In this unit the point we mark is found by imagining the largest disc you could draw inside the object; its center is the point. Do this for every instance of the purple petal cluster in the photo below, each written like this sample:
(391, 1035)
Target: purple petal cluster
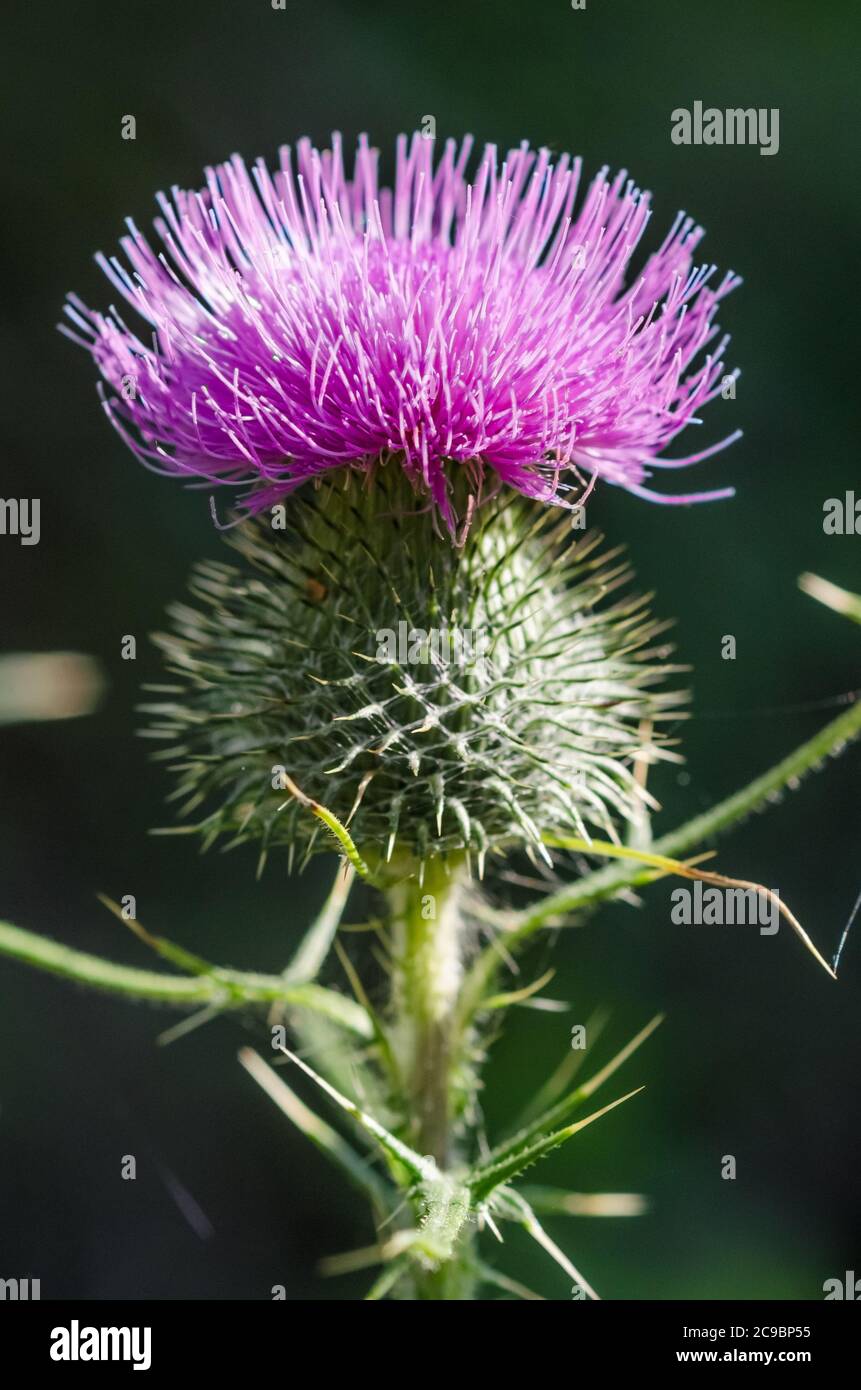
(485, 321)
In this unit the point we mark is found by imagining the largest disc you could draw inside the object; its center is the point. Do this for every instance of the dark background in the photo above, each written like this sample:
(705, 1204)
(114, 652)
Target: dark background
(759, 1056)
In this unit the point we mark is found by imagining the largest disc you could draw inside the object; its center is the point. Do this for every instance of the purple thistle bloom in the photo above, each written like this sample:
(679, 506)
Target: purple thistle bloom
(304, 321)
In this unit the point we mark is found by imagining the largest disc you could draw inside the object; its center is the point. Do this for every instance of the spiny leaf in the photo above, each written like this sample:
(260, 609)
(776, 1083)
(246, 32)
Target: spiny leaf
(484, 1179)
(559, 1112)
(418, 1167)
(442, 1203)
(557, 1083)
(515, 1208)
(533, 1227)
(332, 1144)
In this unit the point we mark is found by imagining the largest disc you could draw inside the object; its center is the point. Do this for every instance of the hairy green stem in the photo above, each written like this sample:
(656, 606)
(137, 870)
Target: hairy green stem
(427, 979)
(222, 988)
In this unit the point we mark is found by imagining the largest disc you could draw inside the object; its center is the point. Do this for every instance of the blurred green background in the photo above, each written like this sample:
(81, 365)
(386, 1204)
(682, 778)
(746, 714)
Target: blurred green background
(759, 1056)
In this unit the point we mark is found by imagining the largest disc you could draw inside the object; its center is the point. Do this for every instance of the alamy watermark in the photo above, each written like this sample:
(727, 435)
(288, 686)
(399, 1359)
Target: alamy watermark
(703, 906)
(440, 646)
(735, 126)
(20, 516)
(77, 1343)
(20, 1290)
(848, 1287)
(842, 515)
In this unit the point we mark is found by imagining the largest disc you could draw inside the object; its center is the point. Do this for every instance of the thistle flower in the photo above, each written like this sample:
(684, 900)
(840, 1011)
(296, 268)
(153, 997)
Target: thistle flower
(459, 342)
(439, 699)
(305, 321)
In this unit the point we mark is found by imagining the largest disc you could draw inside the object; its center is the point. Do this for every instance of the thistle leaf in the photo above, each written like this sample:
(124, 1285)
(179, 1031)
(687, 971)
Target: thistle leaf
(326, 1139)
(559, 1112)
(419, 1168)
(484, 1179)
(557, 1083)
(515, 1208)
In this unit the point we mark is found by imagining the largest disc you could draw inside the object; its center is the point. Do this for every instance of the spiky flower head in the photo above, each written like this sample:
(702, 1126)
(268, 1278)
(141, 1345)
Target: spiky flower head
(461, 325)
(437, 699)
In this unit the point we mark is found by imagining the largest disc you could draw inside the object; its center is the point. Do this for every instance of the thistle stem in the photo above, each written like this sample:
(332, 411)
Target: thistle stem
(222, 988)
(428, 973)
